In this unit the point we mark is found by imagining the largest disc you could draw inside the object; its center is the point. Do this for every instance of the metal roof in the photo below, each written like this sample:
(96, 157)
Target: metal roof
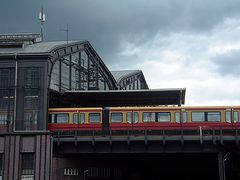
(119, 75)
(124, 97)
(40, 47)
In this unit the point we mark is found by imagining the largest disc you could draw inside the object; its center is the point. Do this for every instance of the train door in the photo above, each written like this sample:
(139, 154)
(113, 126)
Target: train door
(105, 119)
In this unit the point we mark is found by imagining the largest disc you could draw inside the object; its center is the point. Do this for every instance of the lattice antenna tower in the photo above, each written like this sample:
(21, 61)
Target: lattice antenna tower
(42, 19)
(67, 31)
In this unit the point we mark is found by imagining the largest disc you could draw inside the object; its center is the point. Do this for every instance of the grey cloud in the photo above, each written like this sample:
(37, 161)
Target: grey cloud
(228, 64)
(106, 23)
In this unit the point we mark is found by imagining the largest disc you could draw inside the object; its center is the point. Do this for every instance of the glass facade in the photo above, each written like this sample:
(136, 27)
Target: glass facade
(77, 71)
(31, 98)
(7, 94)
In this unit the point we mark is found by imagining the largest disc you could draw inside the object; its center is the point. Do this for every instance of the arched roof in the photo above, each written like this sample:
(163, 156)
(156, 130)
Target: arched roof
(125, 74)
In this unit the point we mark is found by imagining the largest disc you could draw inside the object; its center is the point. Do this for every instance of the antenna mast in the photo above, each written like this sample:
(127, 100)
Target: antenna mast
(67, 31)
(42, 19)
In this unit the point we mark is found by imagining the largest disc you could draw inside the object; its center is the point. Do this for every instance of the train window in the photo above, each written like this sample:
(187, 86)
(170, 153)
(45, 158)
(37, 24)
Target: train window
(3, 118)
(136, 117)
(184, 117)
(129, 117)
(235, 116)
(61, 118)
(82, 118)
(198, 116)
(164, 117)
(213, 116)
(94, 117)
(229, 118)
(148, 117)
(116, 117)
(75, 118)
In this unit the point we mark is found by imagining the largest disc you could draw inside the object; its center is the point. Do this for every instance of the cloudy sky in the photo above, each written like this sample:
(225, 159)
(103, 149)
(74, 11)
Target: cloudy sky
(192, 44)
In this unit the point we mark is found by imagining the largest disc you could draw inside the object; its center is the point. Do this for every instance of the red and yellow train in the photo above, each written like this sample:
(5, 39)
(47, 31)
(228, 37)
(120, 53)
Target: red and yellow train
(140, 118)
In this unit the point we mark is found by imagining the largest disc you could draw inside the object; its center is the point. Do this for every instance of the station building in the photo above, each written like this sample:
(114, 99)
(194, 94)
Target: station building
(33, 75)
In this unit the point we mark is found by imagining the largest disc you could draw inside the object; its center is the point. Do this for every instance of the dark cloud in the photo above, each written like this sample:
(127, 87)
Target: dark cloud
(228, 64)
(106, 23)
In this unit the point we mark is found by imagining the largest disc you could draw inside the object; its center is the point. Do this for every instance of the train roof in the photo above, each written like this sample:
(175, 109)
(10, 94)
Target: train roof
(114, 98)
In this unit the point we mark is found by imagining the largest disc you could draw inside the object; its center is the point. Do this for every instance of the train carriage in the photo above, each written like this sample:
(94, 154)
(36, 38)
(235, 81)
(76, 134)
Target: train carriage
(144, 118)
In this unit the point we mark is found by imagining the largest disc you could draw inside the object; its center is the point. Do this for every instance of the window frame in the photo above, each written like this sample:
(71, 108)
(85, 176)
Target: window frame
(94, 113)
(148, 116)
(159, 116)
(117, 113)
(197, 112)
(184, 117)
(56, 118)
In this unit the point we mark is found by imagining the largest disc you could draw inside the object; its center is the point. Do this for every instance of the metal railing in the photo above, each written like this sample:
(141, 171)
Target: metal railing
(201, 133)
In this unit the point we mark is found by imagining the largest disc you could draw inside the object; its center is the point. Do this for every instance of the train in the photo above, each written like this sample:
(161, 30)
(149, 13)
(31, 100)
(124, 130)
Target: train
(144, 118)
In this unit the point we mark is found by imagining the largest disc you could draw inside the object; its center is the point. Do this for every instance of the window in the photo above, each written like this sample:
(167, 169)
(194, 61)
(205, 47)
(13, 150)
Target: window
(27, 171)
(31, 99)
(129, 117)
(70, 172)
(94, 117)
(30, 120)
(213, 116)
(148, 117)
(32, 76)
(7, 77)
(105, 172)
(229, 116)
(75, 118)
(82, 118)
(93, 172)
(235, 116)
(198, 116)
(116, 117)
(132, 117)
(164, 117)
(184, 117)
(136, 117)
(62, 118)
(7, 87)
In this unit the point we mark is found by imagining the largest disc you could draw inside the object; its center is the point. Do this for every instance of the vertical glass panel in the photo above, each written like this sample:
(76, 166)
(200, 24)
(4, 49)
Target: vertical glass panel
(82, 118)
(129, 117)
(30, 120)
(27, 167)
(32, 77)
(198, 116)
(149, 117)
(184, 117)
(94, 117)
(4, 77)
(228, 116)
(31, 99)
(136, 117)
(235, 116)
(213, 116)
(65, 80)
(116, 117)
(75, 118)
(7, 88)
(164, 117)
(55, 76)
(31, 109)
